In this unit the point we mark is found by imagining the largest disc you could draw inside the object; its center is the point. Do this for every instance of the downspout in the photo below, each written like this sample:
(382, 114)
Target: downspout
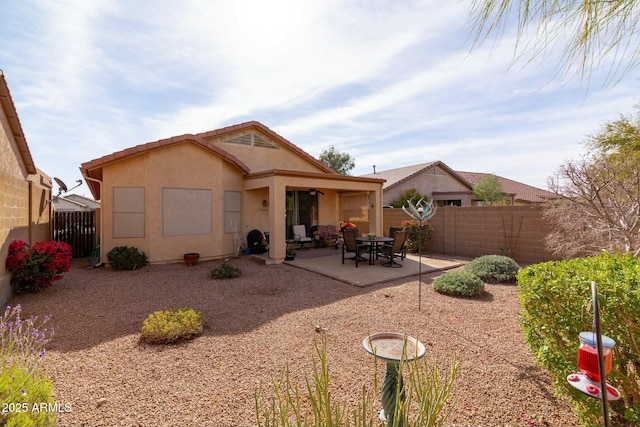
(88, 178)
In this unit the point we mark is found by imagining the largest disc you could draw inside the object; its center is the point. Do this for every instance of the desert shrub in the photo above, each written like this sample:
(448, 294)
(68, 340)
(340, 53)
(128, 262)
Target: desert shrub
(170, 326)
(459, 283)
(426, 390)
(22, 385)
(416, 238)
(22, 341)
(37, 266)
(555, 299)
(225, 271)
(126, 258)
(494, 268)
(22, 393)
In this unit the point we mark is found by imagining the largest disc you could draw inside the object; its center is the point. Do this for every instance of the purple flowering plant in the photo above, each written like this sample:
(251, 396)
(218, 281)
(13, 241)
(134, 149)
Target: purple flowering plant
(22, 341)
(37, 266)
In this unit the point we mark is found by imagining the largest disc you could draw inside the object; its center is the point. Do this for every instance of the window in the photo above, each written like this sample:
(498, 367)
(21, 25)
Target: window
(232, 211)
(128, 212)
(186, 212)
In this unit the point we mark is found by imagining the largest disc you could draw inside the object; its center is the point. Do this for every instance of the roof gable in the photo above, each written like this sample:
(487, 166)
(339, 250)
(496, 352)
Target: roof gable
(256, 134)
(399, 175)
(142, 148)
(93, 168)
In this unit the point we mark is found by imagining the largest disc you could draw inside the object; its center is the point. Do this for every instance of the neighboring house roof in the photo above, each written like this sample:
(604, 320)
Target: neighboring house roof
(75, 202)
(523, 192)
(14, 123)
(94, 167)
(397, 176)
(83, 200)
(64, 204)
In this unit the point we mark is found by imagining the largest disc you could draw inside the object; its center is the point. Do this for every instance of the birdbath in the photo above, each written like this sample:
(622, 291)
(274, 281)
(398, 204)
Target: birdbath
(393, 348)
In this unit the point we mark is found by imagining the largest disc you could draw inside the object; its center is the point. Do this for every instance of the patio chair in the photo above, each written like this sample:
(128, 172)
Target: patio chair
(300, 236)
(395, 248)
(351, 245)
(392, 232)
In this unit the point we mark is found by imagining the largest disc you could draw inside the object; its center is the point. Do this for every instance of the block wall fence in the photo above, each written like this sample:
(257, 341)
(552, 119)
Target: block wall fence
(514, 231)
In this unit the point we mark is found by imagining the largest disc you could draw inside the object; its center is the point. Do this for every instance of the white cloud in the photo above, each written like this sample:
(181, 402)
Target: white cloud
(392, 83)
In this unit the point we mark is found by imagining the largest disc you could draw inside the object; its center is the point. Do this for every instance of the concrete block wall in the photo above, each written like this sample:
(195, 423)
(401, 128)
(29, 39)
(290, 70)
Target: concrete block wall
(14, 222)
(514, 231)
(25, 214)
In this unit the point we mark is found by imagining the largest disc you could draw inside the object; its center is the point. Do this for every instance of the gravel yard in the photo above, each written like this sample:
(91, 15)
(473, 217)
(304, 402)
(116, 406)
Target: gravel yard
(261, 321)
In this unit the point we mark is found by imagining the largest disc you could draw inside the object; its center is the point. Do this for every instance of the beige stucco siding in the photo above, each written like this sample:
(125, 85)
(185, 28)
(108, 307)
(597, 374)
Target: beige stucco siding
(180, 166)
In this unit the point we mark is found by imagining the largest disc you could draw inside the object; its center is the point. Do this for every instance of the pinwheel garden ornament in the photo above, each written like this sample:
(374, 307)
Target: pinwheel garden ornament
(421, 211)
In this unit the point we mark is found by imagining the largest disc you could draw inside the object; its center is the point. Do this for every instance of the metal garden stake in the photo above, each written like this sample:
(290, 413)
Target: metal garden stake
(421, 212)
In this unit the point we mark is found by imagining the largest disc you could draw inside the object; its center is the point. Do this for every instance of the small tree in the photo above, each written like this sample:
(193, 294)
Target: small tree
(600, 195)
(342, 163)
(411, 194)
(490, 191)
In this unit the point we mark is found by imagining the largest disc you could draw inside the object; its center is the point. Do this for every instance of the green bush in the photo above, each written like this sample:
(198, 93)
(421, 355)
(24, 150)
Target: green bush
(170, 326)
(459, 283)
(556, 297)
(126, 258)
(416, 238)
(23, 395)
(225, 271)
(494, 268)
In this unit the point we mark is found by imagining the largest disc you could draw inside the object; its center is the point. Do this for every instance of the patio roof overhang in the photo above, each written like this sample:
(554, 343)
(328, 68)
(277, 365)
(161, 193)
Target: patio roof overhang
(340, 183)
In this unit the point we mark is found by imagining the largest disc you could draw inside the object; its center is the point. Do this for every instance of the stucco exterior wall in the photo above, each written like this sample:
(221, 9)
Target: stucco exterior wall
(187, 166)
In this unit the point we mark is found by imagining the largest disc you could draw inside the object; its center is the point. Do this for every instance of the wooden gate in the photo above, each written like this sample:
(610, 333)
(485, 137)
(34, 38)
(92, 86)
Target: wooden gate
(78, 229)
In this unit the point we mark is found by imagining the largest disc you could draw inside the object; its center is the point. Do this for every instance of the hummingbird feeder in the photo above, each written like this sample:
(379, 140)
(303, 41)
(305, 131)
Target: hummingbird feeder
(595, 358)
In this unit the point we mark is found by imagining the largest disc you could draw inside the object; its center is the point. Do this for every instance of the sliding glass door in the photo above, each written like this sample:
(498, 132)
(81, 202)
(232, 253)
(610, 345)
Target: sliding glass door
(302, 208)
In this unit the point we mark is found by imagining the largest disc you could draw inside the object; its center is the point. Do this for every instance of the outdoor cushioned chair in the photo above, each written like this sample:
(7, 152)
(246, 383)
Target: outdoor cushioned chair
(351, 245)
(392, 232)
(300, 236)
(395, 248)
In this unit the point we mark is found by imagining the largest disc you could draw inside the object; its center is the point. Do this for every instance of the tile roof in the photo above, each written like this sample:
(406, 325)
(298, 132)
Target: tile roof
(523, 192)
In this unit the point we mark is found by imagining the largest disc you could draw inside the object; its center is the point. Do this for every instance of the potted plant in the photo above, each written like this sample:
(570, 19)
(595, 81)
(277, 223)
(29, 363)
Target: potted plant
(191, 258)
(291, 254)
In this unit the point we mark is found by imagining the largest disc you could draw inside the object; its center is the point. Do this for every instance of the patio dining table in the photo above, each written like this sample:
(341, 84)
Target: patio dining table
(373, 245)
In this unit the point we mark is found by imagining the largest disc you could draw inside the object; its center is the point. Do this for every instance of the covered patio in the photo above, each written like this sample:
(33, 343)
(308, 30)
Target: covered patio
(327, 262)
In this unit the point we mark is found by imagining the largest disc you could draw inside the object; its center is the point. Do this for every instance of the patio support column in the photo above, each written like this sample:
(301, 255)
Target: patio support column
(375, 213)
(277, 221)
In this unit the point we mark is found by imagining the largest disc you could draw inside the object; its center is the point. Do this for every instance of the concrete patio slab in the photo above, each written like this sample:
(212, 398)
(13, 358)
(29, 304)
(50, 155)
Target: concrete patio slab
(367, 275)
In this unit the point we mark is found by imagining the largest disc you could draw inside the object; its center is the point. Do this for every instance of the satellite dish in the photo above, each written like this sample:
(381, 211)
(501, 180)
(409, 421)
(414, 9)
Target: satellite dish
(62, 185)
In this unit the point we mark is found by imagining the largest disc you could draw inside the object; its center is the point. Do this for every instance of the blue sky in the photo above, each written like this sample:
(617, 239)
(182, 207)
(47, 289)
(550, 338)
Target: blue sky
(391, 83)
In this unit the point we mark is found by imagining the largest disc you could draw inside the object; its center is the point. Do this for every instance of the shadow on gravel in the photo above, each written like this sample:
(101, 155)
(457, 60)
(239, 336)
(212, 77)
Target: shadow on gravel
(93, 306)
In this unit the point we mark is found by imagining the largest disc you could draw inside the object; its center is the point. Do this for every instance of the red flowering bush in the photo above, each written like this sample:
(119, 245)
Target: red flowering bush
(37, 266)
